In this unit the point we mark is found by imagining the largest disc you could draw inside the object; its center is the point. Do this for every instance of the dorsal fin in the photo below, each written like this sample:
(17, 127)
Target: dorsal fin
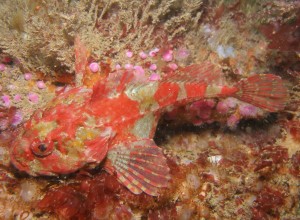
(196, 73)
(126, 77)
(118, 81)
(115, 83)
(81, 55)
(99, 91)
(186, 84)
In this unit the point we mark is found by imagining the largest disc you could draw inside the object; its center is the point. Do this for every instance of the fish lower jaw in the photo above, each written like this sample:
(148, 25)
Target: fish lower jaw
(20, 167)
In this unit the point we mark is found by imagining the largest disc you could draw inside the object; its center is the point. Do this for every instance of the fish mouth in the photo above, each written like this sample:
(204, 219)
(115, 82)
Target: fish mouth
(20, 166)
(26, 168)
(19, 158)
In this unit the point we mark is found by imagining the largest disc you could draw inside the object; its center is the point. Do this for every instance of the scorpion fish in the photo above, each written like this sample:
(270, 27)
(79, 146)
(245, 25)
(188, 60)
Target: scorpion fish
(114, 124)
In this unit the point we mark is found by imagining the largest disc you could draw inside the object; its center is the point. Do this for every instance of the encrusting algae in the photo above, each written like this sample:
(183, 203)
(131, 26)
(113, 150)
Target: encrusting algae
(149, 109)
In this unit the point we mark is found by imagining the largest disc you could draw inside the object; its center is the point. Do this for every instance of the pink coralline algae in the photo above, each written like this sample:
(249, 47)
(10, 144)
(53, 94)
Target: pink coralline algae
(233, 120)
(94, 67)
(2, 67)
(222, 107)
(202, 110)
(231, 102)
(150, 70)
(245, 110)
(6, 100)
(139, 73)
(229, 111)
(129, 53)
(153, 67)
(118, 67)
(27, 76)
(181, 53)
(173, 66)
(17, 98)
(128, 66)
(17, 118)
(168, 56)
(238, 110)
(153, 52)
(143, 55)
(139, 70)
(10, 118)
(33, 97)
(154, 77)
(248, 110)
(41, 85)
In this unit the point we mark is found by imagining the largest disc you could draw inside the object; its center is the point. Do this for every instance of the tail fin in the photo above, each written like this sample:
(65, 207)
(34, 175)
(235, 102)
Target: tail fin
(265, 91)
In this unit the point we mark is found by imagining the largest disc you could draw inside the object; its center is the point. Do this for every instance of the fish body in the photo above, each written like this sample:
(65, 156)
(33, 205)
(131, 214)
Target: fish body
(116, 120)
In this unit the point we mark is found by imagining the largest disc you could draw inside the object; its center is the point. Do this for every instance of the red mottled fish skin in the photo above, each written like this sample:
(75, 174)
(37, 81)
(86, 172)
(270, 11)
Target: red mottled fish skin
(117, 120)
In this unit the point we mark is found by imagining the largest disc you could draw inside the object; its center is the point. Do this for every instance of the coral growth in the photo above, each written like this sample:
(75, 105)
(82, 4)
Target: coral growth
(40, 34)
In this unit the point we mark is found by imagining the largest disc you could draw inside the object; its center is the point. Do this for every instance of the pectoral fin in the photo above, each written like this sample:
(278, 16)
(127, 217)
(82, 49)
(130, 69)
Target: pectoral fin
(139, 165)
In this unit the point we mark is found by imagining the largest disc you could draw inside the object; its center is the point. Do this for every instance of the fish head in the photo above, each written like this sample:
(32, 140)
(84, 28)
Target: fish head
(59, 140)
(34, 155)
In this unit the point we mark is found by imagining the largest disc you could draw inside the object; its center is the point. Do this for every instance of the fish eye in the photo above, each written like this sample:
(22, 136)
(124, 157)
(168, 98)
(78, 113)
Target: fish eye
(42, 149)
